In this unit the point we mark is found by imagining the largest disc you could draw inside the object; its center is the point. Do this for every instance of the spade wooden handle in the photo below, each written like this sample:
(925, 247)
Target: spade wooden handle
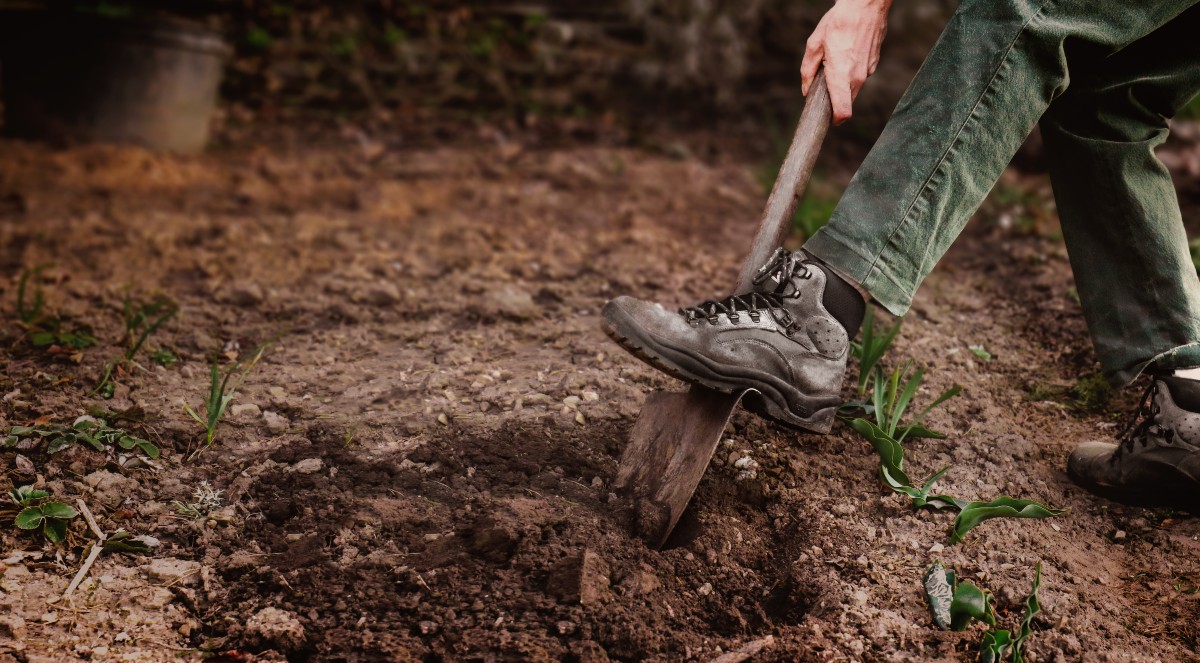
(792, 181)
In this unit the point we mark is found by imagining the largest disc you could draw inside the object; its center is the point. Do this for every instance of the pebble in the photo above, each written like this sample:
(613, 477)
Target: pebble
(244, 294)
(174, 571)
(241, 410)
(705, 589)
(276, 423)
(274, 627)
(383, 293)
(307, 466)
(1119, 535)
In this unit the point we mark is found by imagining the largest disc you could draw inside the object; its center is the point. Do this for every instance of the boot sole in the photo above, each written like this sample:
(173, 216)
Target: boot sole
(764, 397)
(1183, 498)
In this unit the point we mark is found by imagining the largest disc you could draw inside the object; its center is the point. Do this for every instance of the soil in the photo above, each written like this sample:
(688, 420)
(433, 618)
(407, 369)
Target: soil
(420, 468)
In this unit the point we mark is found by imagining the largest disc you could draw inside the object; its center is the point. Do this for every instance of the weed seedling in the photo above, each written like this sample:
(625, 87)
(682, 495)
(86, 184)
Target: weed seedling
(37, 510)
(205, 500)
(141, 321)
(45, 330)
(221, 391)
(954, 604)
(872, 348)
(1001, 645)
(95, 433)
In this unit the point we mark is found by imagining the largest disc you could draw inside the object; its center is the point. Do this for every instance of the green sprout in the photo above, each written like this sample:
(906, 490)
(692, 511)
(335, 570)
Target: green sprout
(980, 352)
(891, 395)
(38, 511)
(872, 348)
(141, 321)
(954, 604)
(222, 388)
(45, 330)
(86, 430)
(1001, 645)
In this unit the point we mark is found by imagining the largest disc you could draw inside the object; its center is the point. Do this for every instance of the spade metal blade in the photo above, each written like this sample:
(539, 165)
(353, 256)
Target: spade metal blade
(676, 433)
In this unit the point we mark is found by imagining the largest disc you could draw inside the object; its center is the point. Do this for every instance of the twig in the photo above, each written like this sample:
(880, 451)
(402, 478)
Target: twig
(91, 520)
(97, 548)
(746, 651)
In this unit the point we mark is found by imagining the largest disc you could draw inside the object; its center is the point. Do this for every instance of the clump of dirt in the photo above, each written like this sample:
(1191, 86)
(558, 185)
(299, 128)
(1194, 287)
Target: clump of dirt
(421, 466)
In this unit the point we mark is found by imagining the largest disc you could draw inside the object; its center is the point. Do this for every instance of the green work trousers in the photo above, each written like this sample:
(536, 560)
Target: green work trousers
(1101, 77)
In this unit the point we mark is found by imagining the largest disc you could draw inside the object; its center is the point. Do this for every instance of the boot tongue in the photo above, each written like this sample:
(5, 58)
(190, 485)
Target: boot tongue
(1185, 393)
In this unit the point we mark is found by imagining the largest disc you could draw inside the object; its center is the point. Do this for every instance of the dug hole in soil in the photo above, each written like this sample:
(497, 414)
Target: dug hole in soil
(420, 468)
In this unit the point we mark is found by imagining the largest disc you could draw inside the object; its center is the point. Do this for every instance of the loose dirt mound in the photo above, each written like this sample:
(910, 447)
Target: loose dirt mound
(420, 468)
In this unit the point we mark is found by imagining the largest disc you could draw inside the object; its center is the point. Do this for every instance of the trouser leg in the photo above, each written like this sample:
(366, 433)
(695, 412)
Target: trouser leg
(993, 73)
(1119, 211)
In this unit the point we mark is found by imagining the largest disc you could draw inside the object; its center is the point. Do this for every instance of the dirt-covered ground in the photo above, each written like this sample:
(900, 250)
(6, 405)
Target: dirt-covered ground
(420, 467)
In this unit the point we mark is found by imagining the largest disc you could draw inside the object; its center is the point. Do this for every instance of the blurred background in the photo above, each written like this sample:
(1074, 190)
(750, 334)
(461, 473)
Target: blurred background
(422, 72)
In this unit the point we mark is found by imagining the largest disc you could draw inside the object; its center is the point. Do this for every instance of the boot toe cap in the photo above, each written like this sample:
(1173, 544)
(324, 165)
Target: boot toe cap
(1087, 458)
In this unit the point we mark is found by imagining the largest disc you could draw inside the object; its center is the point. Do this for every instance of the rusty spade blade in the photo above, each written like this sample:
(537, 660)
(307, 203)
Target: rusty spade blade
(676, 433)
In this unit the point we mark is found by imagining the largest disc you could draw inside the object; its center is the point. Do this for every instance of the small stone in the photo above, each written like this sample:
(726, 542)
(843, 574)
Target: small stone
(49, 617)
(936, 548)
(12, 626)
(581, 578)
(307, 466)
(245, 410)
(243, 294)
(509, 301)
(571, 401)
(173, 571)
(443, 419)
(121, 637)
(272, 627)
(276, 423)
(1119, 535)
(591, 396)
(705, 589)
(641, 582)
(579, 419)
(383, 293)
(100, 651)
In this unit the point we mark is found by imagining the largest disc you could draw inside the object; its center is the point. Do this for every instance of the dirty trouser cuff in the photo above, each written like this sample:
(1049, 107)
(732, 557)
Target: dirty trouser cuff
(841, 255)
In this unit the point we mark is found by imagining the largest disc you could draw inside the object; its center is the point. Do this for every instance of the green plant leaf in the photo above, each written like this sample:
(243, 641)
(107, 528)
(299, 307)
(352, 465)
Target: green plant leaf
(58, 510)
(939, 593)
(971, 603)
(1032, 608)
(980, 352)
(891, 454)
(54, 529)
(123, 542)
(1004, 507)
(996, 646)
(27, 495)
(29, 517)
(915, 431)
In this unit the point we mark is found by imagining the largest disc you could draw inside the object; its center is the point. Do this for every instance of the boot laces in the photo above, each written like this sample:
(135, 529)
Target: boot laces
(1144, 424)
(782, 266)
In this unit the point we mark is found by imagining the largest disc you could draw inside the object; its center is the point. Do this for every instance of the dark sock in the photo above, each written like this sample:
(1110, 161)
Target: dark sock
(1184, 391)
(842, 300)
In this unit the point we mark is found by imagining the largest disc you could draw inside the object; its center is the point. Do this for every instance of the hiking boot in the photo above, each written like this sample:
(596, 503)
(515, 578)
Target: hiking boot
(1156, 461)
(778, 341)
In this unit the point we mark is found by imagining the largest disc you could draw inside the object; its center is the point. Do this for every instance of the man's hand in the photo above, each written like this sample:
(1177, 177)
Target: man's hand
(847, 40)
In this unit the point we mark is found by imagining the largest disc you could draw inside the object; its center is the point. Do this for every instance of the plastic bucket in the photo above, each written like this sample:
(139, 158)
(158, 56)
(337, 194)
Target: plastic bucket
(73, 77)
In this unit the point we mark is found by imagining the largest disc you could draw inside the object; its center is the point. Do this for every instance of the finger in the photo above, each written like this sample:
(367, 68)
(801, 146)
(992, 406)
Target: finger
(840, 95)
(813, 55)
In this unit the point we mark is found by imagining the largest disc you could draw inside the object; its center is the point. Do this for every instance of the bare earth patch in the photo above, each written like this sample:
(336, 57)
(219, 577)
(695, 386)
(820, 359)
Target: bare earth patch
(420, 467)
